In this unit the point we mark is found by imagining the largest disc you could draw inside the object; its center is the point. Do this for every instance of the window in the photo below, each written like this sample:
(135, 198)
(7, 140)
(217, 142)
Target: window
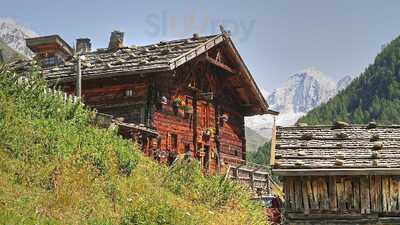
(49, 61)
(128, 93)
(188, 153)
(131, 114)
(174, 141)
(187, 147)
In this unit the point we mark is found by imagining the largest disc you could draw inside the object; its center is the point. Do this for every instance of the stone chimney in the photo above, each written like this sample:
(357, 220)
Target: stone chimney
(83, 45)
(116, 40)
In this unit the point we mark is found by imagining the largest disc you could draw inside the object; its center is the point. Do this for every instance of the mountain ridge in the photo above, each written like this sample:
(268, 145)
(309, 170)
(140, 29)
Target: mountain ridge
(13, 34)
(300, 93)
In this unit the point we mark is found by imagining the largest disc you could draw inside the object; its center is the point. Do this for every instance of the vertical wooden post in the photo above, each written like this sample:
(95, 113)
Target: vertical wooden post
(273, 142)
(217, 133)
(195, 124)
(251, 174)
(78, 88)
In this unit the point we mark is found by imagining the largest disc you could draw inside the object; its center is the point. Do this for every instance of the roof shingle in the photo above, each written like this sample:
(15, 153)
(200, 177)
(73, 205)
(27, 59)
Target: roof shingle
(356, 145)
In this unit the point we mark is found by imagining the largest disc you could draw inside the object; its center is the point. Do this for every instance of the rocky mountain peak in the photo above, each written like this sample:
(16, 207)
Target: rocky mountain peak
(13, 35)
(300, 93)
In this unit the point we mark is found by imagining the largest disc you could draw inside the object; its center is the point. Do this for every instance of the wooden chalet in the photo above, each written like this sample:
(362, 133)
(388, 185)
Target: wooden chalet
(183, 97)
(339, 174)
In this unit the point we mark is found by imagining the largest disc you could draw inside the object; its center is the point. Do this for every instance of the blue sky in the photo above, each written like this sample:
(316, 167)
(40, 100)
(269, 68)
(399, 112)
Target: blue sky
(275, 38)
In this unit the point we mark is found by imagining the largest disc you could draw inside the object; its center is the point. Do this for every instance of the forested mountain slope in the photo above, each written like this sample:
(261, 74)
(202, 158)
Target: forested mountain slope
(373, 96)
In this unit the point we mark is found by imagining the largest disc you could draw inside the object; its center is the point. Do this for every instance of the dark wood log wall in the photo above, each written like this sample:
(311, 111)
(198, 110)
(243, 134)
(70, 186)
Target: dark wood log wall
(338, 197)
(189, 131)
(167, 124)
(233, 144)
(109, 95)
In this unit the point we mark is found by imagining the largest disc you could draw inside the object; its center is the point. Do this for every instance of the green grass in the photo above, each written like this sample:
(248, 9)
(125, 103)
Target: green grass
(57, 167)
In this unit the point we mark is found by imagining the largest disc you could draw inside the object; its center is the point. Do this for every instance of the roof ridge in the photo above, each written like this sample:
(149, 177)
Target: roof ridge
(332, 126)
(152, 44)
(213, 39)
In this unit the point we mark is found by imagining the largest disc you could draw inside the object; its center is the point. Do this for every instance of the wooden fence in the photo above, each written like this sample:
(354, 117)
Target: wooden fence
(256, 177)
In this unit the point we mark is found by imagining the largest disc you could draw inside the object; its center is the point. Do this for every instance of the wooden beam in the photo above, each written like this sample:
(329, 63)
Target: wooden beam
(273, 143)
(336, 172)
(220, 65)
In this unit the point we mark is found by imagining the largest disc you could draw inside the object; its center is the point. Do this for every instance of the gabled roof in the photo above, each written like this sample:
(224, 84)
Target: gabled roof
(160, 57)
(324, 150)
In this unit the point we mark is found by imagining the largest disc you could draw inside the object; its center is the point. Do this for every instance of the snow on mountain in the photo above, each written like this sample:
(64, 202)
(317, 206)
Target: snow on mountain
(302, 92)
(343, 83)
(13, 34)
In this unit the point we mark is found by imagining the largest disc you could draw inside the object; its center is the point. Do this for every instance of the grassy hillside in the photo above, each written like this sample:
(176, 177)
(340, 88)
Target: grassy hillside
(373, 96)
(8, 54)
(56, 167)
(253, 140)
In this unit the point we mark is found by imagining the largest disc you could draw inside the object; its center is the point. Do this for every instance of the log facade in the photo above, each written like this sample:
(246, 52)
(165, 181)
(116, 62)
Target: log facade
(342, 199)
(194, 93)
(339, 174)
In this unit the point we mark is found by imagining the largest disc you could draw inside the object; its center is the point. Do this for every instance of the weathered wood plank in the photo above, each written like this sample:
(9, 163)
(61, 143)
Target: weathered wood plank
(348, 193)
(340, 194)
(291, 193)
(365, 198)
(373, 194)
(385, 194)
(332, 193)
(324, 193)
(356, 193)
(315, 192)
(398, 194)
(394, 191)
(285, 187)
(313, 203)
(298, 195)
(378, 183)
(306, 200)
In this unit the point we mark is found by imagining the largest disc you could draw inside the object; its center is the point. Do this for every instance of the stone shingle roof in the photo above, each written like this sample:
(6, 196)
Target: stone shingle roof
(162, 56)
(329, 147)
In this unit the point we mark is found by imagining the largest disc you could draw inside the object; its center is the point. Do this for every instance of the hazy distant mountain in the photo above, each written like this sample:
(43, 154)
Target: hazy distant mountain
(8, 54)
(13, 35)
(302, 92)
(253, 140)
(343, 83)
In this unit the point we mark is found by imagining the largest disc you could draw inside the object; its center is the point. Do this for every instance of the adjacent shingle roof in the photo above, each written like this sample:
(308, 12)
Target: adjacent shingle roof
(324, 147)
(163, 56)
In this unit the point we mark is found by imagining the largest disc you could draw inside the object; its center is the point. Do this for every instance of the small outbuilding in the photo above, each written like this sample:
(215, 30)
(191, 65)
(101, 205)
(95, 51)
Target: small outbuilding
(340, 174)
